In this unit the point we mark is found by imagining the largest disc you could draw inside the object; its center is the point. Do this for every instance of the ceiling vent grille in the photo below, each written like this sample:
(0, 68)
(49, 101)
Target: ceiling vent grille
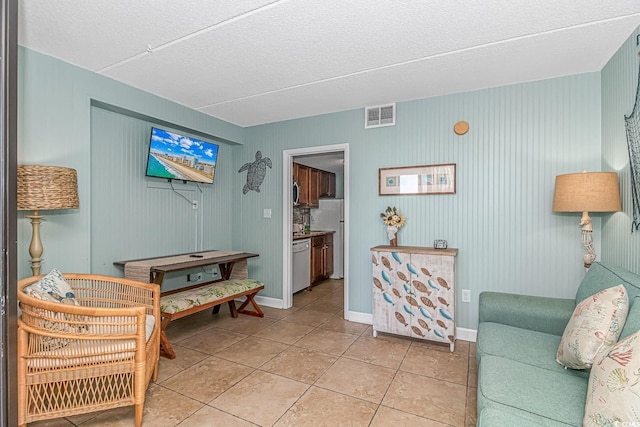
(379, 116)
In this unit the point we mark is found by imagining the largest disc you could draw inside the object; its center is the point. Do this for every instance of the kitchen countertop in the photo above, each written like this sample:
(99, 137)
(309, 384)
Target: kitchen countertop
(313, 233)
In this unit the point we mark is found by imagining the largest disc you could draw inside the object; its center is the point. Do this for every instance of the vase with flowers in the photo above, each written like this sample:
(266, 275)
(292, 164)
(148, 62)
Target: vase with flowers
(394, 221)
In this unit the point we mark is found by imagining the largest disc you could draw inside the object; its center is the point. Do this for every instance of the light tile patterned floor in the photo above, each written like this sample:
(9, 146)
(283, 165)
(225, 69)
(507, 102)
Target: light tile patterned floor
(305, 366)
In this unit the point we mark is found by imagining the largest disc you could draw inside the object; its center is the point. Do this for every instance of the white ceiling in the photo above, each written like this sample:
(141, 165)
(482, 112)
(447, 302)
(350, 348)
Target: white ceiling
(257, 61)
(331, 162)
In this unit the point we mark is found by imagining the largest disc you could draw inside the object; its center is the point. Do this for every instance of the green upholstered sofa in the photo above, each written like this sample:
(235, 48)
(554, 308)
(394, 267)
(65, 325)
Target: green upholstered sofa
(519, 381)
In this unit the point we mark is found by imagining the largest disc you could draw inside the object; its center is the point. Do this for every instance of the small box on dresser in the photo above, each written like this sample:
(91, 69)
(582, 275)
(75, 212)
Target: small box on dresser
(414, 292)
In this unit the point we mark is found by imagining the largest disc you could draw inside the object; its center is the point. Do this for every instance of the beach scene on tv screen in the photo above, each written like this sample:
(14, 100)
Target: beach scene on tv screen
(180, 157)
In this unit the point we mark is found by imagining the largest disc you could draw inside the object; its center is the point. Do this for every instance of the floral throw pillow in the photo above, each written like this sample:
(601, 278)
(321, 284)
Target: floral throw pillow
(52, 287)
(613, 397)
(596, 323)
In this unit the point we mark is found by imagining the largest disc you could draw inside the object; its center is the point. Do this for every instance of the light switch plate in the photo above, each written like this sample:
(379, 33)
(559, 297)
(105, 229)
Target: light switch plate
(266, 213)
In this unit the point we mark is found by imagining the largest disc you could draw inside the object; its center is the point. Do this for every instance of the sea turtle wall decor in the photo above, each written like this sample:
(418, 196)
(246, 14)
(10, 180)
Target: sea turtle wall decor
(257, 171)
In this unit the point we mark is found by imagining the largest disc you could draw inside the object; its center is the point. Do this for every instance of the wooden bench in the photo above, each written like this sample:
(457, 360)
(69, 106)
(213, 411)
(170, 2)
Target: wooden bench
(185, 301)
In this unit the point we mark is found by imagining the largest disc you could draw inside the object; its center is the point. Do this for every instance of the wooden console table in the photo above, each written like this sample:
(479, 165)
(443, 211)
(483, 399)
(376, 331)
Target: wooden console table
(153, 270)
(181, 262)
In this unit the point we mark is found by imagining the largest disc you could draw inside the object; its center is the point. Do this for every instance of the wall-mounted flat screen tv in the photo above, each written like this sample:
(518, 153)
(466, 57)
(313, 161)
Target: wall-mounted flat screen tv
(179, 157)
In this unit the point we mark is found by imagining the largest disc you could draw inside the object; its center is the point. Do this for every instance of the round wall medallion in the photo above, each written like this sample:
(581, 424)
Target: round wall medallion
(461, 128)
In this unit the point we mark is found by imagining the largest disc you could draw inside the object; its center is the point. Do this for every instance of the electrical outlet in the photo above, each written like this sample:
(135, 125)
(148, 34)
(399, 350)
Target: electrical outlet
(194, 277)
(466, 295)
(194, 204)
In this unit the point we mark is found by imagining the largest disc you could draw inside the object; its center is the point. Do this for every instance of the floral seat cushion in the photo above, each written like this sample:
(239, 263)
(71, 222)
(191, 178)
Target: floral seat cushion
(181, 301)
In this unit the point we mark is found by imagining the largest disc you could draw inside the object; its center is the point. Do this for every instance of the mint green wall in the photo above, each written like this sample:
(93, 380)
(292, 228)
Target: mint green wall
(619, 84)
(55, 128)
(521, 137)
(133, 216)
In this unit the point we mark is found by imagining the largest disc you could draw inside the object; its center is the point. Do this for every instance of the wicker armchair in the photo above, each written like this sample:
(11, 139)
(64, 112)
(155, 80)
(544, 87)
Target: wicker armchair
(90, 357)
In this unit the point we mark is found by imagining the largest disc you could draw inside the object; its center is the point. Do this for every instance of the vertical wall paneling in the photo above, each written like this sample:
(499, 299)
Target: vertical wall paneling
(133, 216)
(521, 137)
(619, 85)
(55, 127)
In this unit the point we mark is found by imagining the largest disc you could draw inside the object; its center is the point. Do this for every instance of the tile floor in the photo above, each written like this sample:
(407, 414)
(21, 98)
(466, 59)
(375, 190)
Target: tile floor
(298, 367)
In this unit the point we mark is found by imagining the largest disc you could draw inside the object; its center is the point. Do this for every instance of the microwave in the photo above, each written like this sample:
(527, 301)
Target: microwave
(296, 194)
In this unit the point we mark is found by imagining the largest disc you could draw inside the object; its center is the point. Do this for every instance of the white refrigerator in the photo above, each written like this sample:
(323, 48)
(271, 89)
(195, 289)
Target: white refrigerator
(329, 216)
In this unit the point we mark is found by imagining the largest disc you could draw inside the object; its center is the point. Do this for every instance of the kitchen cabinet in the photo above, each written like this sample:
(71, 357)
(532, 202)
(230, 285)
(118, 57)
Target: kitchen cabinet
(313, 183)
(314, 194)
(301, 174)
(414, 292)
(327, 184)
(321, 257)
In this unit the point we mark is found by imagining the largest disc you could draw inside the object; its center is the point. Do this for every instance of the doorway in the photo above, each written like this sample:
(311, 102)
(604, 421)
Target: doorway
(312, 156)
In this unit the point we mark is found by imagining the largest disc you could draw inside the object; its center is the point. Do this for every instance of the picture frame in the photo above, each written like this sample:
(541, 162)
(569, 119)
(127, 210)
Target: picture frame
(414, 180)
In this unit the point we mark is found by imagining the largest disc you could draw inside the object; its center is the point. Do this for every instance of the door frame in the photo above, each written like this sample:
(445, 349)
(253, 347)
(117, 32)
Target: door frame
(9, 212)
(287, 217)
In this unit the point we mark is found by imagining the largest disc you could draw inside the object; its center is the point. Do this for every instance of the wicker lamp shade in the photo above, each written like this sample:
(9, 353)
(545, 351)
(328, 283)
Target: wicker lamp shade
(47, 187)
(587, 192)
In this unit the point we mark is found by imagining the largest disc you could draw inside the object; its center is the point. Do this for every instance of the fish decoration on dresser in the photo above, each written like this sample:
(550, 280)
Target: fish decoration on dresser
(443, 283)
(412, 269)
(420, 290)
(386, 277)
(411, 300)
(421, 287)
(446, 314)
(424, 325)
(425, 313)
(408, 310)
(388, 298)
(402, 277)
(408, 290)
(400, 318)
(432, 284)
(426, 301)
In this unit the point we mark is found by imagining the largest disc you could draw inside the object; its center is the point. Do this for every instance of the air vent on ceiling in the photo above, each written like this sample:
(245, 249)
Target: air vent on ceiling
(379, 116)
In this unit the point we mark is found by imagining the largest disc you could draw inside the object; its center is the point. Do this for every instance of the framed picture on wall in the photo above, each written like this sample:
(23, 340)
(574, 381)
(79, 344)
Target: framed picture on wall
(411, 180)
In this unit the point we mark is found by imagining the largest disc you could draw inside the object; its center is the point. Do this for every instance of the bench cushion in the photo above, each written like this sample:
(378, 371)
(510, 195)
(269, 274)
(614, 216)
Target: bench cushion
(180, 301)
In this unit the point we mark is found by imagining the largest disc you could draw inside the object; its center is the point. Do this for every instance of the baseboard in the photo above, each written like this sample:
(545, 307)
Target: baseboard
(267, 301)
(463, 334)
(356, 316)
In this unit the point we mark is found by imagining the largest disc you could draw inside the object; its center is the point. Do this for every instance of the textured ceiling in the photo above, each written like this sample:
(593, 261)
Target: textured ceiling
(251, 62)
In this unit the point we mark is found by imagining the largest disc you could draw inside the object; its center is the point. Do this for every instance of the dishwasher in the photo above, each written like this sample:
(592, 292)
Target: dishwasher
(301, 264)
